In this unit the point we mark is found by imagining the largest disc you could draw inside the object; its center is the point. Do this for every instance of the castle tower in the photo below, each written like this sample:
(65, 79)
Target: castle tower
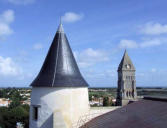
(126, 90)
(59, 93)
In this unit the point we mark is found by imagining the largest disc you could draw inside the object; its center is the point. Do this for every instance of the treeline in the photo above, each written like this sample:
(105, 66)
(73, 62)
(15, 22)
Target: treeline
(9, 117)
(12, 93)
(15, 112)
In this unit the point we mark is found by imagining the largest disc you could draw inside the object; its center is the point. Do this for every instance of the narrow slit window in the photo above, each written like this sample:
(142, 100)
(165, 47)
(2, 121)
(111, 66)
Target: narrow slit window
(35, 113)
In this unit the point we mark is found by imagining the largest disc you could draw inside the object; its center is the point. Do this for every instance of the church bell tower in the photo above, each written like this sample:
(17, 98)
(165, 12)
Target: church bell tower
(126, 90)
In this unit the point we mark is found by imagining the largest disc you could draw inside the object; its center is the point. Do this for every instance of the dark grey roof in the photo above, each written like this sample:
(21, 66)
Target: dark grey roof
(146, 113)
(156, 98)
(60, 68)
(126, 61)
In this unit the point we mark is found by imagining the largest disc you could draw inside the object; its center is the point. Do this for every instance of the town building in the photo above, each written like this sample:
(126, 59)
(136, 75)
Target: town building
(4, 102)
(126, 90)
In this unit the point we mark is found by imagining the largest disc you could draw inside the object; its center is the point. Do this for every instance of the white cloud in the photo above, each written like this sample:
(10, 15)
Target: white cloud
(151, 43)
(37, 46)
(153, 28)
(149, 28)
(153, 70)
(6, 18)
(8, 67)
(128, 44)
(89, 57)
(131, 44)
(21, 2)
(5, 30)
(72, 17)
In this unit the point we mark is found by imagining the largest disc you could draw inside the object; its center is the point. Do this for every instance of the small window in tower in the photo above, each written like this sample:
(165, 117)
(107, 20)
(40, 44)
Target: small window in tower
(127, 94)
(35, 112)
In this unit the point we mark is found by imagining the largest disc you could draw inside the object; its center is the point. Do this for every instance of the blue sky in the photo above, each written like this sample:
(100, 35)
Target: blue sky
(98, 32)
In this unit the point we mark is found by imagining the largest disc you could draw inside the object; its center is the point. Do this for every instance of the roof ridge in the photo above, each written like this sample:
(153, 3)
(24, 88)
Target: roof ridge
(56, 61)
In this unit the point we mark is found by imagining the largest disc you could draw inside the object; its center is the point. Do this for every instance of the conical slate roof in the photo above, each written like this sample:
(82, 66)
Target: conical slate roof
(60, 68)
(126, 63)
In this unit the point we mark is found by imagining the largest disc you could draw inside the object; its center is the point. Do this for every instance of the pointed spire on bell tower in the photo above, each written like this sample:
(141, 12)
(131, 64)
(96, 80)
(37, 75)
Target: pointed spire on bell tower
(125, 50)
(126, 62)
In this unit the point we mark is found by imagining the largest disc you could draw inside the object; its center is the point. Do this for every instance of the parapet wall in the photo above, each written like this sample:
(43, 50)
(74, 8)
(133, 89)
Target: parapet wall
(93, 112)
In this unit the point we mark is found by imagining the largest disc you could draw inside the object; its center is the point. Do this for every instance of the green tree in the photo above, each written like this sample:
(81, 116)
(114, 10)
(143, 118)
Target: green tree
(10, 116)
(107, 101)
(3, 111)
(90, 97)
(14, 103)
(15, 112)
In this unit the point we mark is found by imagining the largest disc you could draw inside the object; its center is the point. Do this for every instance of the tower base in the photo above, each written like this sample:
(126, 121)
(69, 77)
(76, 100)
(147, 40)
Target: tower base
(57, 107)
(124, 102)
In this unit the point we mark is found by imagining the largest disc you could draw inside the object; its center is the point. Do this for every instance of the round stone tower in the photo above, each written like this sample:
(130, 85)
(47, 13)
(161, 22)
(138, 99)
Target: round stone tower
(59, 93)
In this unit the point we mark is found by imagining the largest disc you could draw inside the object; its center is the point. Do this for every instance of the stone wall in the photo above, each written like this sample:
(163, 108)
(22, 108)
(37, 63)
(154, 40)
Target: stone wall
(93, 112)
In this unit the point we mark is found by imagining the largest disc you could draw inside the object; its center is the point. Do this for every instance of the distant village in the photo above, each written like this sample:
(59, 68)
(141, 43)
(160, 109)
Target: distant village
(6, 95)
(98, 97)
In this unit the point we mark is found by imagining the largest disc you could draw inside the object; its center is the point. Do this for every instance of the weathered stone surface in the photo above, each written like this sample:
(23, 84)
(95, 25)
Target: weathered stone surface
(69, 103)
(126, 91)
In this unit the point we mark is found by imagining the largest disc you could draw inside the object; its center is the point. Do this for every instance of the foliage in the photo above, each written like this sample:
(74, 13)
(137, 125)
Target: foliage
(94, 105)
(98, 94)
(90, 97)
(14, 103)
(15, 112)
(10, 116)
(106, 101)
